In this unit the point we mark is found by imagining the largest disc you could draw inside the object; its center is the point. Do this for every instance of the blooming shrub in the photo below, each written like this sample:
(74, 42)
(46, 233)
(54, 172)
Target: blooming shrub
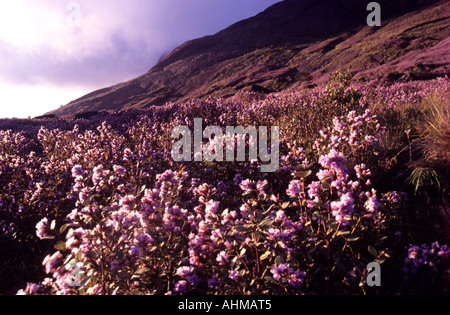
(116, 215)
(423, 267)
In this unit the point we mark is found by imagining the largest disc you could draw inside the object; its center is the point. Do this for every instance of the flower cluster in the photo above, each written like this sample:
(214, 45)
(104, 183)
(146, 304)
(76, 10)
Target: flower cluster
(112, 213)
(423, 256)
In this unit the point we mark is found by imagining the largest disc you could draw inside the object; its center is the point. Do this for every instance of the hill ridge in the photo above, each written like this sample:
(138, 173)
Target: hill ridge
(286, 47)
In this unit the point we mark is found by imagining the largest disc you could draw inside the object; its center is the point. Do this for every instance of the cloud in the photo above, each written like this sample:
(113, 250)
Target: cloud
(41, 47)
(23, 101)
(115, 40)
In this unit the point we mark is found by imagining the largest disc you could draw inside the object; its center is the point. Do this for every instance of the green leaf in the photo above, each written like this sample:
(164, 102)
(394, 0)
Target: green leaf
(241, 228)
(268, 209)
(60, 246)
(380, 260)
(64, 228)
(85, 281)
(48, 237)
(266, 222)
(352, 238)
(279, 260)
(270, 279)
(285, 205)
(372, 250)
(325, 185)
(122, 275)
(141, 190)
(303, 174)
(140, 272)
(68, 259)
(265, 255)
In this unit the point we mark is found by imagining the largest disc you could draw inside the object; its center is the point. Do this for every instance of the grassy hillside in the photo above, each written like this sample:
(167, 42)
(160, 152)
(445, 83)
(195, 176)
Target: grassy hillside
(290, 45)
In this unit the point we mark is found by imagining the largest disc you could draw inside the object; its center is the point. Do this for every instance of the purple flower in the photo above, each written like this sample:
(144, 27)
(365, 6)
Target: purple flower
(370, 140)
(212, 206)
(74, 237)
(127, 201)
(273, 233)
(247, 186)
(423, 255)
(195, 182)
(261, 186)
(119, 170)
(41, 228)
(342, 208)
(128, 154)
(143, 239)
(114, 265)
(180, 286)
(245, 208)
(275, 274)
(333, 159)
(294, 188)
(234, 275)
(99, 176)
(166, 176)
(216, 235)
(185, 271)
(371, 204)
(444, 251)
(237, 179)
(314, 190)
(50, 262)
(280, 270)
(324, 174)
(31, 289)
(296, 278)
(77, 171)
(281, 216)
(213, 281)
(134, 251)
(362, 171)
(222, 258)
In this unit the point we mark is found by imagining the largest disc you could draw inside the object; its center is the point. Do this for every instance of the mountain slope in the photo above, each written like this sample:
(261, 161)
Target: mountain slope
(292, 43)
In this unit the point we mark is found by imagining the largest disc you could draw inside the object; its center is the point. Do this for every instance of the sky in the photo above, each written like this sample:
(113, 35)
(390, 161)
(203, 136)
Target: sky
(55, 51)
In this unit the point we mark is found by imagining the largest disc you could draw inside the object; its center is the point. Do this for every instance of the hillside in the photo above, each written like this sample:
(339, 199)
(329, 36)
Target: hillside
(291, 44)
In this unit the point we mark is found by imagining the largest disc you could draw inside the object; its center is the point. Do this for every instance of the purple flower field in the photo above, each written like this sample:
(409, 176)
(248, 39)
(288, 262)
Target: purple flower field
(98, 206)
